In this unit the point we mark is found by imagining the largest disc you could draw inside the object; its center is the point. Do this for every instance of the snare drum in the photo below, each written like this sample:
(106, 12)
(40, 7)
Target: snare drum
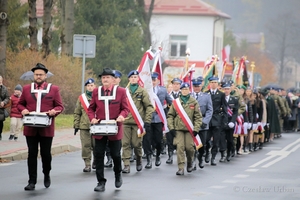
(104, 128)
(37, 120)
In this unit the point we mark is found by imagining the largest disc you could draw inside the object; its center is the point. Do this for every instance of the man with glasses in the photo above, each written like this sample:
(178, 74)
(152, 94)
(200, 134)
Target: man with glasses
(44, 97)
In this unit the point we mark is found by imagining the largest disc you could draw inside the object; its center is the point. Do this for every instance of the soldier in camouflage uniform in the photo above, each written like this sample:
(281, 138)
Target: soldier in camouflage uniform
(183, 138)
(145, 108)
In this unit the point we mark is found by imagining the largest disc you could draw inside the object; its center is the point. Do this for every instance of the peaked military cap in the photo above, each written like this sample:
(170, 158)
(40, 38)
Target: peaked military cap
(133, 72)
(89, 81)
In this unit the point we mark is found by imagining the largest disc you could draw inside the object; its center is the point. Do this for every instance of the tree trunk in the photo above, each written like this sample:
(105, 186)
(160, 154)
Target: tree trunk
(3, 28)
(47, 20)
(32, 25)
(147, 17)
(62, 31)
(69, 26)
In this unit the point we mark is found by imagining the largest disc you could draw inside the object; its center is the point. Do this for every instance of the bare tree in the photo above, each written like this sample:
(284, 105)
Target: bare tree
(147, 17)
(47, 21)
(283, 40)
(32, 25)
(67, 20)
(3, 30)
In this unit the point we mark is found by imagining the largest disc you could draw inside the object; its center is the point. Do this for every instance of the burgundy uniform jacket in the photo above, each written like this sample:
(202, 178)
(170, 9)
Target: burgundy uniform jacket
(117, 107)
(51, 100)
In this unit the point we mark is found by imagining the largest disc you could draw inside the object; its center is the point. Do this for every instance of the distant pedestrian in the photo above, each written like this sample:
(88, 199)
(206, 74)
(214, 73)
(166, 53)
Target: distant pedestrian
(4, 100)
(16, 122)
(40, 97)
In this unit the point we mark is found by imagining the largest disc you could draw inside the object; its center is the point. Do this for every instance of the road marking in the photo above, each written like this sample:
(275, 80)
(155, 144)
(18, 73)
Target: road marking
(6, 164)
(283, 153)
(251, 170)
(218, 186)
(230, 181)
(241, 176)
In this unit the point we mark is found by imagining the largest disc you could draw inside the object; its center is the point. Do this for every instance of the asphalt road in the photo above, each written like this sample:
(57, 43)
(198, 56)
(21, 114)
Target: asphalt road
(271, 173)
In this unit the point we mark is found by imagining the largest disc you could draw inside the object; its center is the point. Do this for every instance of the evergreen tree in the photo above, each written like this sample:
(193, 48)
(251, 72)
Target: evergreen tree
(117, 25)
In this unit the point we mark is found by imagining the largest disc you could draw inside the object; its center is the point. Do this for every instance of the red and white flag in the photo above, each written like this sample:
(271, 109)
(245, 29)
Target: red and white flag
(145, 81)
(157, 66)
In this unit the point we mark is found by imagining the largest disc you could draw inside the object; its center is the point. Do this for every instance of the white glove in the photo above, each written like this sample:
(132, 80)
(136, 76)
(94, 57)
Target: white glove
(231, 124)
(249, 125)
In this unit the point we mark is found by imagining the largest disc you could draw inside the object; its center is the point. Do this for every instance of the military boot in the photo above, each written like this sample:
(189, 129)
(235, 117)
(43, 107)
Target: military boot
(250, 146)
(222, 156)
(261, 145)
(149, 162)
(139, 165)
(213, 160)
(207, 156)
(228, 156)
(255, 146)
(170, 159)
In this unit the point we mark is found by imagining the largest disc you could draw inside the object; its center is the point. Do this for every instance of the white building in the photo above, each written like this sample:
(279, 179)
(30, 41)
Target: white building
(182, 24)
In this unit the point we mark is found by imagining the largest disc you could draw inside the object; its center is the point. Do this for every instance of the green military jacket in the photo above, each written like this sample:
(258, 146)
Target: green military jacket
(81, 119)
(143, 104)
(192, 109)
(242, 105)
(286, 105)
(279, 105)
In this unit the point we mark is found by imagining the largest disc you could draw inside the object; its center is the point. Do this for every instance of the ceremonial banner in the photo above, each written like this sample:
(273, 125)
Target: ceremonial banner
(187, 121)
(135, 114)
(84, 102)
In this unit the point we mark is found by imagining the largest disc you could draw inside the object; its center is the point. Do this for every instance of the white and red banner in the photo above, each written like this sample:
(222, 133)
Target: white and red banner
(187, 121)
(145, 81)
(135, 114)
(157, 66)
(84, 102)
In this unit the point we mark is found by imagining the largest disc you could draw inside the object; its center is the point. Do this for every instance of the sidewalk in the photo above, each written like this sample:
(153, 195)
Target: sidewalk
(63, 141)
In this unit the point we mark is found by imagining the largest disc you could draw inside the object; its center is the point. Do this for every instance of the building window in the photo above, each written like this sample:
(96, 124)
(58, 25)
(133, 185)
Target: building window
(289, 70)
(178, 45)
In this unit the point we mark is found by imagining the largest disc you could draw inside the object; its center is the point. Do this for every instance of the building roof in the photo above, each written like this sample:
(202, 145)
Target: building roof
(184, 7)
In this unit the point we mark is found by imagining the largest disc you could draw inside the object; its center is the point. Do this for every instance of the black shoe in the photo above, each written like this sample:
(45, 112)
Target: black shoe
(149, 162)
(87, 169)
(100, 187)
(47, 181)
(157, 161)
(222, 156)
(94, 165)
(201, 163)
(118, 181)
(180, 172)
(30, 186)
(109, 162)
(213, 162)
(207, 157)
(170, 159)
(189, 167)
(15, 138)
(11, 137)
(139, 165)
(126, 169)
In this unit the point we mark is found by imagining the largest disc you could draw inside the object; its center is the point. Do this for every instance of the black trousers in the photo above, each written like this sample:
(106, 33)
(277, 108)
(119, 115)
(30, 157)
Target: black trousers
(226, 141)
(154, 138)
(170, 139)
(46, 157)
(1, 127)
(107, 149)
(204, 140)
(214, 132)
(115, 151)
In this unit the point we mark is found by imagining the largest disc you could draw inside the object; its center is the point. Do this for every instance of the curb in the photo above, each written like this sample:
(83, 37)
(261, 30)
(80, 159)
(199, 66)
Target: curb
(23, 154)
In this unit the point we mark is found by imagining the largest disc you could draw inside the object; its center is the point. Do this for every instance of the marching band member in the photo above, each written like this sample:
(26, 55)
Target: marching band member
(141, 110)
(216, 122)
(176, 83)
(206, 108)
(108, 101)
(184, 121)
(252, 103)
(40, 96)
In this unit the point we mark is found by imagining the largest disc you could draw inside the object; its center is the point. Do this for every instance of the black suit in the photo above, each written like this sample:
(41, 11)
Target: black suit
(226, 141)
(217, 121)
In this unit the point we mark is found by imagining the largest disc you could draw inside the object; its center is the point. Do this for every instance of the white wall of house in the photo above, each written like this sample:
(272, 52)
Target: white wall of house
(198, 29)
